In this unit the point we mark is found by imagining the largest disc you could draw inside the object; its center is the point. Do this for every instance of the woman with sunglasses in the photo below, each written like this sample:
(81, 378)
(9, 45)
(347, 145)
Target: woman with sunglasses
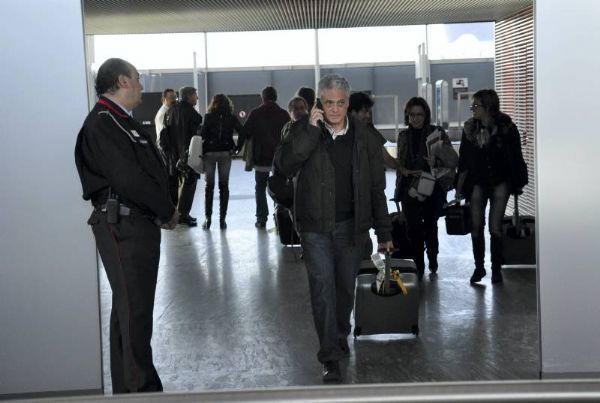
(423, 147)
(492, 164)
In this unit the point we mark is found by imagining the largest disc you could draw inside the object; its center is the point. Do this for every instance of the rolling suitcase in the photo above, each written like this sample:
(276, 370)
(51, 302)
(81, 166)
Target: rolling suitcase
(285, 226)
(458, 216)
(392, 312)
(402, 245)
(518, 238)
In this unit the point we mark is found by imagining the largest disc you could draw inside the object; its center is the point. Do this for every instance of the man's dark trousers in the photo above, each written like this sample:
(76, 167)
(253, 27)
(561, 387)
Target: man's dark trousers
(332, 260)
(260, 194)
(187, 192)
(130, 252)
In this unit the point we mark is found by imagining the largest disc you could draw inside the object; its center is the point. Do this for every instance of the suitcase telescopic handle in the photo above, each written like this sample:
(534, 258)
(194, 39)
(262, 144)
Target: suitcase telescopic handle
(516, 221)
(388, 266)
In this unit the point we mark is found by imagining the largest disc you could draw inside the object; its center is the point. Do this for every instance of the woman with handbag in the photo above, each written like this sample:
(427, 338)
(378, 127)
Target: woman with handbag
(426, 167)
(492, 162)
(218, 148)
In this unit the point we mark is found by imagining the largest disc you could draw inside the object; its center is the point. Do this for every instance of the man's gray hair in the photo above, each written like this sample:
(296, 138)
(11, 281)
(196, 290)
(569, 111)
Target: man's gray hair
(186, 92)
(333, 81)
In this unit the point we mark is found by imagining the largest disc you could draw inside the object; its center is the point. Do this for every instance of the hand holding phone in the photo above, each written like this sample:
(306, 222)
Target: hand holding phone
(316, 114)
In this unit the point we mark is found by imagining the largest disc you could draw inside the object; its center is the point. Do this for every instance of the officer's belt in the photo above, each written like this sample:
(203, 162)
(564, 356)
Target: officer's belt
(123, 209)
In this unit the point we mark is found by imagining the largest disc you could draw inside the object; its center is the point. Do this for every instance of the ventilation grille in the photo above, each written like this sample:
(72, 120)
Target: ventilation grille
(515, 87)
(165, 16)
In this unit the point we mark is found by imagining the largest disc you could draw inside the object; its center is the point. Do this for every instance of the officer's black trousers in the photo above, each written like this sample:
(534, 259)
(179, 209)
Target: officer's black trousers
(130, 251)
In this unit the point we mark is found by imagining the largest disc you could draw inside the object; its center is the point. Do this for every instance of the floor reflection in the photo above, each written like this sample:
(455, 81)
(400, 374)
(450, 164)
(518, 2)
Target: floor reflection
(233, 311)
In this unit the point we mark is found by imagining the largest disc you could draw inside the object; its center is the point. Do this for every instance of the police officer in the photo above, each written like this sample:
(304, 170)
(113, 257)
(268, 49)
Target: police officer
(124, 176)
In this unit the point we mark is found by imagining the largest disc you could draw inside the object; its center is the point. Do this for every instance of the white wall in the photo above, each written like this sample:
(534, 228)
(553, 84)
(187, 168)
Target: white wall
(49, 315)
(568, 150)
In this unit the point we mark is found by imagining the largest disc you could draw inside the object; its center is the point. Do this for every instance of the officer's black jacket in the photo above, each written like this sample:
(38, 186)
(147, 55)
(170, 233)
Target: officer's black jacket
(113, 150)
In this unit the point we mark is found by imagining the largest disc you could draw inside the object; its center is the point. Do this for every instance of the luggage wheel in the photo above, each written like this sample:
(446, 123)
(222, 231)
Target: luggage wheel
(415, 330)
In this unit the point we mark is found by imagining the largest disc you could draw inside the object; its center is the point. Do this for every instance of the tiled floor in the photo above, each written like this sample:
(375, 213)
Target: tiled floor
(232, 311)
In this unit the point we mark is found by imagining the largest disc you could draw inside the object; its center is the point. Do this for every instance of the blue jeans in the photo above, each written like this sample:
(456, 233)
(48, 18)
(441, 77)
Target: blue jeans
(498, 196)
(332, 260)
(260, 194)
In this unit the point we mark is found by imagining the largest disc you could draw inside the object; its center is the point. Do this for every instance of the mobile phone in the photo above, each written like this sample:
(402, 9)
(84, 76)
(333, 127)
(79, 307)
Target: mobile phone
(318, 104)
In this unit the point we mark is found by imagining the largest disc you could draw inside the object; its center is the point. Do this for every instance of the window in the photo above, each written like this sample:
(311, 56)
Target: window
(370, 44)
(151, 51)
(460, 41)
(261, 48)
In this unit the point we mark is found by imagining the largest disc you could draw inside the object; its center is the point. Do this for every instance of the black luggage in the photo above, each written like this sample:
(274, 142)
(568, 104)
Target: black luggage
(402, 245)
(392, 312)
(285, 226)
(518, 238)
(458, 218)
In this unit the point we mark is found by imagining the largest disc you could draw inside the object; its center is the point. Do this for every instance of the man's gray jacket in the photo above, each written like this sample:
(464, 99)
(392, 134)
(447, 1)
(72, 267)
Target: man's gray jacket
(304, 148)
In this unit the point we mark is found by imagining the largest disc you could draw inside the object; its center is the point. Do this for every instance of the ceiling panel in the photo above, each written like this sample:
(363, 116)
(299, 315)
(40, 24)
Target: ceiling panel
(162, 16)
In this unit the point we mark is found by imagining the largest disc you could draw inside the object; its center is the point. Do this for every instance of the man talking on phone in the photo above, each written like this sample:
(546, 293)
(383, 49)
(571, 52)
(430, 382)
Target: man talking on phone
(339, 197)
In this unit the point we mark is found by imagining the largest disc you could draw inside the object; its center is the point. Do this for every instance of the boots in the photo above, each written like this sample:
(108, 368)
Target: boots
(497, 275)
(208, 206)
(478, 274)
(433, 264)
(223, 203)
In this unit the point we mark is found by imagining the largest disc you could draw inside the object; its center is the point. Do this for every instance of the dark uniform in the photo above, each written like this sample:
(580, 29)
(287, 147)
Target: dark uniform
(114, 152)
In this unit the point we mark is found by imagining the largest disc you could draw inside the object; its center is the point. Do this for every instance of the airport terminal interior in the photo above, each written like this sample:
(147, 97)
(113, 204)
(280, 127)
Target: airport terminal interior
(232, 308)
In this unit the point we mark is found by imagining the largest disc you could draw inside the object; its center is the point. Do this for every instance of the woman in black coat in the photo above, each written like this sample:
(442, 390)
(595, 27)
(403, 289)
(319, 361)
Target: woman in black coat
(218, 148)
(492, 163)
(415, 156)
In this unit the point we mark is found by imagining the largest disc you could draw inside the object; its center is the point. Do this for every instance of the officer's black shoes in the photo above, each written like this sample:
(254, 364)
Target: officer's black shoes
(206, 224)
(478, 274)
(194, 219)
(331, 371)
(497, 275)
(344, 347)
(260, 225)
(222, 223)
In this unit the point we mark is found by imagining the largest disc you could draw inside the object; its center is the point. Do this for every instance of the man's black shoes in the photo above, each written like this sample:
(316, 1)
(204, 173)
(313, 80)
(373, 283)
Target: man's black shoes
(189, 221)
(331, 371)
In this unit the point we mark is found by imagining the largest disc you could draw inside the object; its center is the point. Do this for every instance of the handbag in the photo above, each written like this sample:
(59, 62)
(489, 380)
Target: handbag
(422, 187)
(194, 160)
(248, 156)
(426, 184)
(458, 217)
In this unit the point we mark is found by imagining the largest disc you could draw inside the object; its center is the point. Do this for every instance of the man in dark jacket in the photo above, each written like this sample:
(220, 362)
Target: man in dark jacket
(124, 176)
(182, 123)
(339, 197)
(264, 126)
